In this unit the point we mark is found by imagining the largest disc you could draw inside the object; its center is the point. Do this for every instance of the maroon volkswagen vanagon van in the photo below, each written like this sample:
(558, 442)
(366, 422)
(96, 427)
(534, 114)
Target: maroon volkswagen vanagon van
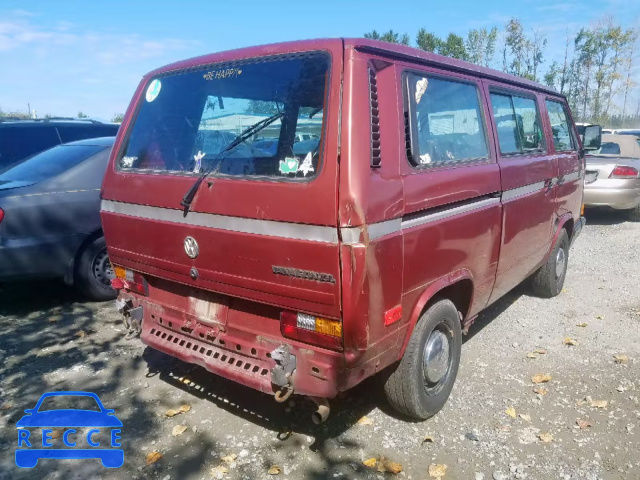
(301, 216)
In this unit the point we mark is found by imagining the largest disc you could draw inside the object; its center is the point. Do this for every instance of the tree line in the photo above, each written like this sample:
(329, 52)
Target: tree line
(596, 73)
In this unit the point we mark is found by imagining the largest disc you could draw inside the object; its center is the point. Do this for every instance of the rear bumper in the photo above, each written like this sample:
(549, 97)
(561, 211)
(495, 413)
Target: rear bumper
(618, 194)
(240, 353)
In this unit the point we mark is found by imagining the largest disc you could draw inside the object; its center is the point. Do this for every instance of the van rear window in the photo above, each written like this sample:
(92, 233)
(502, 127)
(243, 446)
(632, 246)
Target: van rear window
(186, 120)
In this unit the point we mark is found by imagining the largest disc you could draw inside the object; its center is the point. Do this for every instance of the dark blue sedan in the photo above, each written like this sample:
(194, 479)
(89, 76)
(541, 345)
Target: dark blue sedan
(50, 218)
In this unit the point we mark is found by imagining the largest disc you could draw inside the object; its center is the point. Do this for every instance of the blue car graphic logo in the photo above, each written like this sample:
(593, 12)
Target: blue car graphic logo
(97, 423)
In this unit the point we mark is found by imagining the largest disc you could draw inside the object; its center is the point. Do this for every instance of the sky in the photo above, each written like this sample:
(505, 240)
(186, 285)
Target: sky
(65, 56)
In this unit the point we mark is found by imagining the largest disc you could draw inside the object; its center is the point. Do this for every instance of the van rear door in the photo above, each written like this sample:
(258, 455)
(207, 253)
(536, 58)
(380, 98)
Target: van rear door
(263, 225)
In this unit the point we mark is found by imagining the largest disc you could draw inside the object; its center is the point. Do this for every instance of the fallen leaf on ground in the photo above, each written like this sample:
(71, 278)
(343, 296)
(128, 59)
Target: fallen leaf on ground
(511, 412)
(80, 333)
(540, 390)
(365, 421)
(540, 378)
(182, 409)
(546, 437)
(370, 462)
(178, 430)
(570, 341)
(385, 465)
(540, 351)
(531, 355)
(525, 417)
(600, 317)
(428, 439)
(6, 406)
(599, 403)
(274, 470)
(437, 470)
(219, 471)
(153, 457)
(57, 432)
(621, 359)
(583, 324)
(583, 423)
(229, 458)
(53, 320)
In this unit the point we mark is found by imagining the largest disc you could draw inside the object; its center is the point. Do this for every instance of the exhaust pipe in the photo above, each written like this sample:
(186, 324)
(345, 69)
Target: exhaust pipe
(322, 412)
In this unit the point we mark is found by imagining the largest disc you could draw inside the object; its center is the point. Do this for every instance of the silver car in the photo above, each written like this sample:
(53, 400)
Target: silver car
(612, 177)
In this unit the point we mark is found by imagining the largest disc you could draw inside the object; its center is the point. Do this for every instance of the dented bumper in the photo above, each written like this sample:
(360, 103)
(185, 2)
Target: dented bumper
(240, 349)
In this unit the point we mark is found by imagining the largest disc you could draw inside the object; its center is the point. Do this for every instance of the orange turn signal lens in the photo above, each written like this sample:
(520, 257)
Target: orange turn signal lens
(120, 272)
(328, 327)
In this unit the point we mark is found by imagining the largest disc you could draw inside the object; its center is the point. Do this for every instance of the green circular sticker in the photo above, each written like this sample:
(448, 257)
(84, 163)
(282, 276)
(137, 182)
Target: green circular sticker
(153, 90)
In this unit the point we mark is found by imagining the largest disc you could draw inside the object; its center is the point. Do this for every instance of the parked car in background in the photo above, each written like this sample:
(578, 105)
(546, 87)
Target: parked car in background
(19, 139)
(613, 175)
(434, 187)
(50, 218)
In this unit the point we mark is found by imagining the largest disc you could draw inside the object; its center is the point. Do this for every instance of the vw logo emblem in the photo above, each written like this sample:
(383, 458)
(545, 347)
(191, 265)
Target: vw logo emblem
(191, 247)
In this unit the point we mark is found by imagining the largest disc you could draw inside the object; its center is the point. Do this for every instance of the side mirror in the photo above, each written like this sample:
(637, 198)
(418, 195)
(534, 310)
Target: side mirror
(592, 137)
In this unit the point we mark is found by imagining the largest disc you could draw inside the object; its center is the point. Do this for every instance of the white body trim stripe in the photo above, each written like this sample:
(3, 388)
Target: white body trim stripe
(450, 212)
(509, 195)
(298, 231)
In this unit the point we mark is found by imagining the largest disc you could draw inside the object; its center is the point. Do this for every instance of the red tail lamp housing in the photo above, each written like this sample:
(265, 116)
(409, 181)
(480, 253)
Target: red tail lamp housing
(129, 280)
(1, 215)
(311, 329)
(623, 171)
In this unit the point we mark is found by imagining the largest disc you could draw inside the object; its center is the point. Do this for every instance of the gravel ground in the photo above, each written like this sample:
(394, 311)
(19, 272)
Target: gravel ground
(584, 424)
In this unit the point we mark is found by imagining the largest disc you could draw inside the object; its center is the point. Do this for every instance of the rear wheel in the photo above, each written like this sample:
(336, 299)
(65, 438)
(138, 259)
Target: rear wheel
(547, 282)
(94, 271)
(634, 214)
(421, 383)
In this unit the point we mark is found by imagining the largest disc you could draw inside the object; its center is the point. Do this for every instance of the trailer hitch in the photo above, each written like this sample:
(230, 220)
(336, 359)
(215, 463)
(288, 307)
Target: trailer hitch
(281, 374)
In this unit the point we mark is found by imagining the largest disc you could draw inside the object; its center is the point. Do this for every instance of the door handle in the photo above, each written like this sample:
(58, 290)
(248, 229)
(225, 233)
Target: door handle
(548, 185)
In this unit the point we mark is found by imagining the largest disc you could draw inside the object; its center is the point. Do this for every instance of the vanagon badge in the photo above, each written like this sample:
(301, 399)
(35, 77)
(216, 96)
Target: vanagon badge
(191, 247)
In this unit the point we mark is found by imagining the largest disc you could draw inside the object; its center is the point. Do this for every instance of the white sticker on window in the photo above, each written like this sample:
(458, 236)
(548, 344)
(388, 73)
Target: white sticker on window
(153, 90)
(127, 162)
(421, 87)
(425, 158)
(198, 165)
(307, 164)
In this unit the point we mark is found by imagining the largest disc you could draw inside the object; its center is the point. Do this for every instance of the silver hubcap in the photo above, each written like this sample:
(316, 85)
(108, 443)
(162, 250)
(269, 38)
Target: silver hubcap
(435, 361)
(102, 270)
(561, 259)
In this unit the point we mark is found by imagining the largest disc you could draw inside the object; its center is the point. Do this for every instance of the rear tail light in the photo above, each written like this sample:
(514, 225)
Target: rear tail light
(129, 280)
(311, 329)
(1, 215)
(622, 171)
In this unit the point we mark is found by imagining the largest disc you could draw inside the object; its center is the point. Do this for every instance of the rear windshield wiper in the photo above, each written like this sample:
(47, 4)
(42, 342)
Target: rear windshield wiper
(215, 164)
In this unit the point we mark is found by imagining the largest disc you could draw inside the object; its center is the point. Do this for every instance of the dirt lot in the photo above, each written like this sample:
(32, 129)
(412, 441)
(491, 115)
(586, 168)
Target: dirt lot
(494, 425)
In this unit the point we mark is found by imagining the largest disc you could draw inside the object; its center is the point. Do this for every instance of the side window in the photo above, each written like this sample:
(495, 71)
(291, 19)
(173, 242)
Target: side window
(517, 124)
(559, 120)
(445, 121)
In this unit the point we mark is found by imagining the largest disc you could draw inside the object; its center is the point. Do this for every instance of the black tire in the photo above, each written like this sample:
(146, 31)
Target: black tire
(92, 272)
(547, 282)
(634, 214)
(408, 388)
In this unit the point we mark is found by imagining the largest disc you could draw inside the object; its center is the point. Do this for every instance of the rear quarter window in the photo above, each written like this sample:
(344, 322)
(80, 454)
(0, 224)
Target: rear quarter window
(18, 143)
